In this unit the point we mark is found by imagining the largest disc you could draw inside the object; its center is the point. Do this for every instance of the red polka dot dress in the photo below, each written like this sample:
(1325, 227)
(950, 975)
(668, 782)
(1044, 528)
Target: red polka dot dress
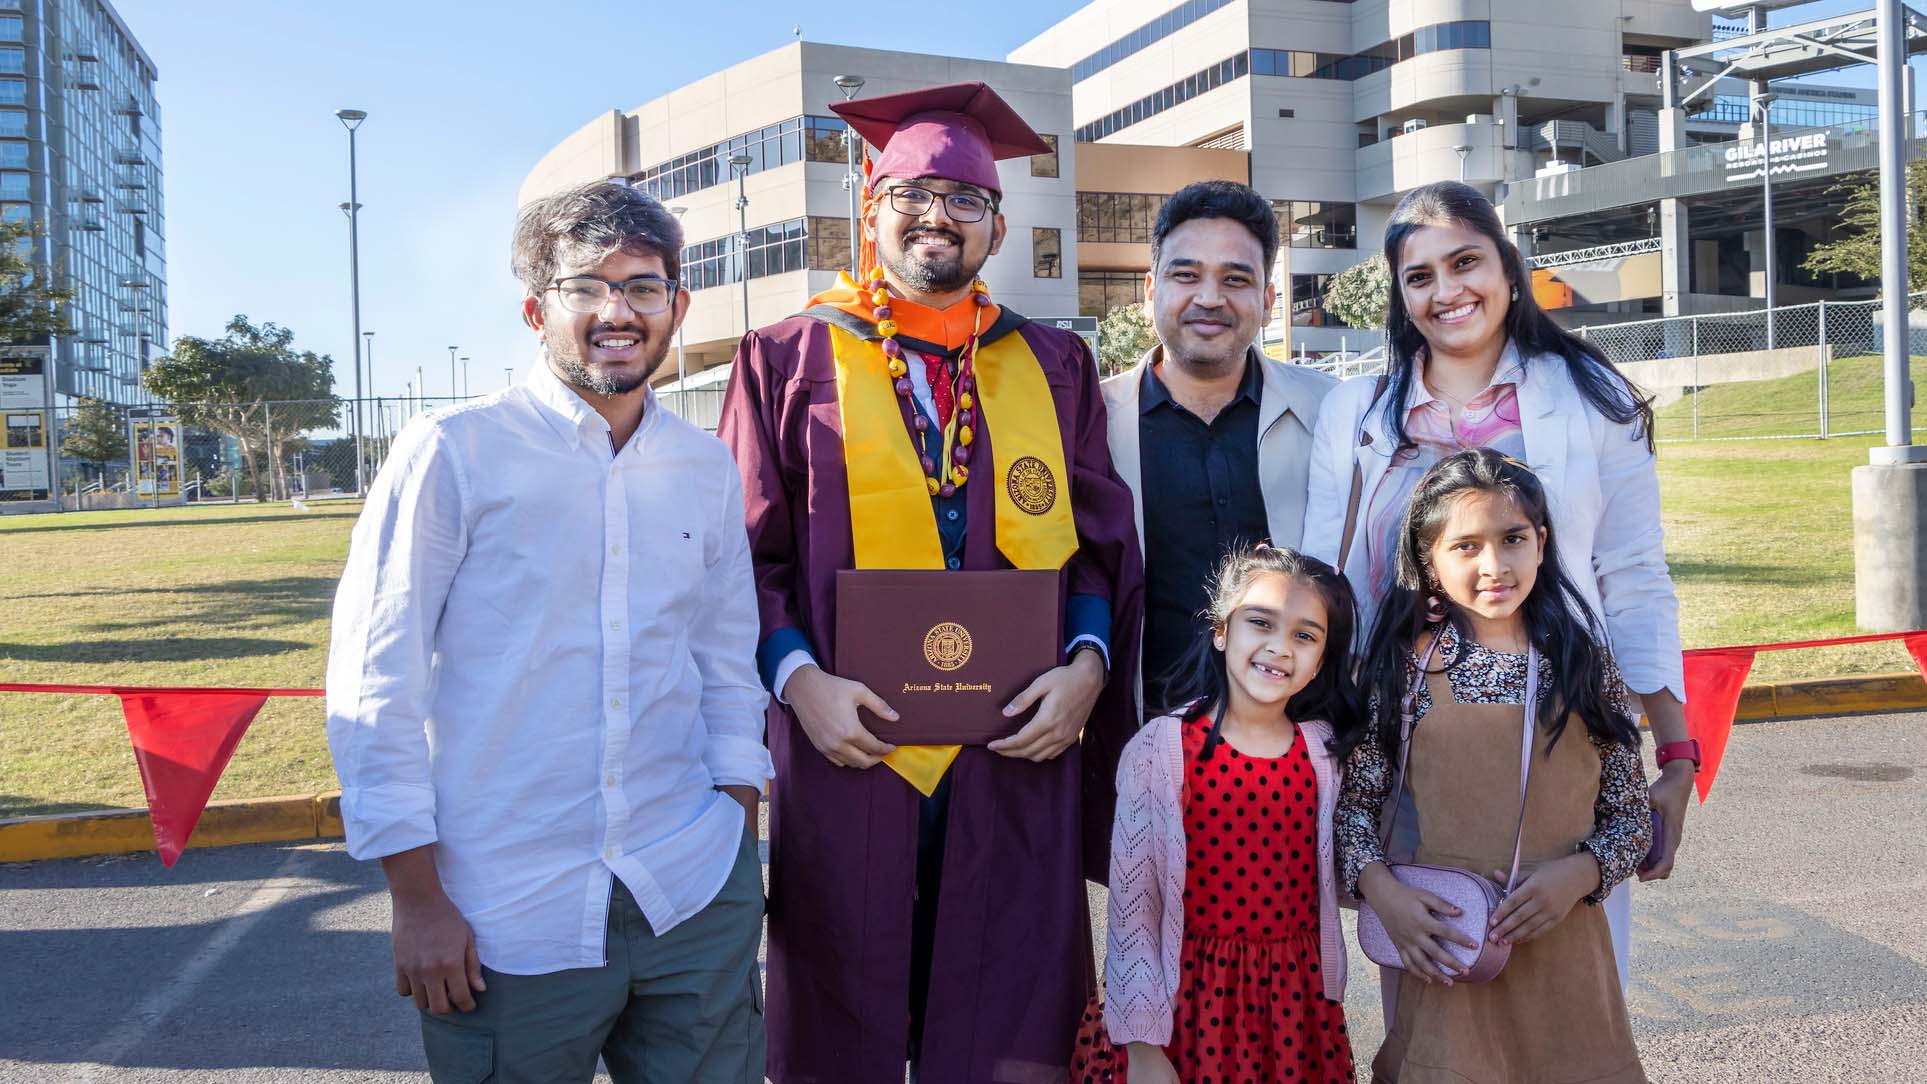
(1250, 1007)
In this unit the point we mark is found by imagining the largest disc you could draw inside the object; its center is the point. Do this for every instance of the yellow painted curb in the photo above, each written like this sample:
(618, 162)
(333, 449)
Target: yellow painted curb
(318, 816)
(243, 820)
(1833, 696)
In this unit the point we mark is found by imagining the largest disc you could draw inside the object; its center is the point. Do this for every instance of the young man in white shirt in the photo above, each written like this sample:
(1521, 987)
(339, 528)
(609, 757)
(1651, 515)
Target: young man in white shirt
(542, 694)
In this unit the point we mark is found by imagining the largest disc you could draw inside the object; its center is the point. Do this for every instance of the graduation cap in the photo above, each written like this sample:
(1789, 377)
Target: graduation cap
(956, 131)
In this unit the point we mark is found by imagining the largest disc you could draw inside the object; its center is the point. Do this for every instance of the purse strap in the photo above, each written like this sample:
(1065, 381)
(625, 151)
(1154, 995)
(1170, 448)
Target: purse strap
(1406, 725)
(1358, 476)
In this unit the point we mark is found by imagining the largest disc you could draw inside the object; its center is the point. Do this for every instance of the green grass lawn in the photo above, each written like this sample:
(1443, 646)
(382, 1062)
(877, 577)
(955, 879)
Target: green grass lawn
(1787, 406)
(1759, 534)
(228, 595)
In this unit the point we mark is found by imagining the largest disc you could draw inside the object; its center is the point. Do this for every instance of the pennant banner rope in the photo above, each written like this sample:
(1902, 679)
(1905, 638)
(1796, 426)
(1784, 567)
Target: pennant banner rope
(1715, 675)
(183, 737)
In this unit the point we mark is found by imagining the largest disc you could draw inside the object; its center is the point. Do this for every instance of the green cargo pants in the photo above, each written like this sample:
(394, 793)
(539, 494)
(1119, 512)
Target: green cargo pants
(683, 1008)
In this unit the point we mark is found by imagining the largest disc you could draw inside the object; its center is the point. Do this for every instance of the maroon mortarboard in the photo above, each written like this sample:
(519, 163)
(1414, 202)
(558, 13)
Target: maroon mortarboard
(956, 131)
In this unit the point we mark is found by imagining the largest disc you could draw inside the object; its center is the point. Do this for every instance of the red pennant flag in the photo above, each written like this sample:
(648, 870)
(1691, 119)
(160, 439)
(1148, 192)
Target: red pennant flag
(182, 742)
(1917, 647)
(1713, 681)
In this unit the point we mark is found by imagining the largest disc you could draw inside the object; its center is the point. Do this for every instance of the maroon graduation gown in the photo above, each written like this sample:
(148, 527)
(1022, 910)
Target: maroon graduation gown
(1011, 967)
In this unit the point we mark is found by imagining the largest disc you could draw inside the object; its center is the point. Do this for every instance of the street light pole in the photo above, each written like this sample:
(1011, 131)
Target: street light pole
(451, 375)
(1463, 150)
(351, 119)
(740, 163)
(853, 180)
(464, 378)
(1763, 106)
(508, 377)
(682, 367)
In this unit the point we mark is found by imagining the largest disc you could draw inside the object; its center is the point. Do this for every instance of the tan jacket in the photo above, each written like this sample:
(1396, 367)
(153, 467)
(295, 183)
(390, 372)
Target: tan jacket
(1287, 413)
(1288, 406)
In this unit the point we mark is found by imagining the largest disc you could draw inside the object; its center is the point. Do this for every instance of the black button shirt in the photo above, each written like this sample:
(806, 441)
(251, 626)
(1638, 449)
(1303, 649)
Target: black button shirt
(1201, 500)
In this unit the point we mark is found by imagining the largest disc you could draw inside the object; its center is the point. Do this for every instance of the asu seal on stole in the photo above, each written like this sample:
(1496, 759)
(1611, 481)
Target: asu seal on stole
(947, 646)
(1031, 485)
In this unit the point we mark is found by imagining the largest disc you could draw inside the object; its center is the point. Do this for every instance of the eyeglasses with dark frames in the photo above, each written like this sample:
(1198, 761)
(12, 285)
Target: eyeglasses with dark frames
(960, 206)
(645, 296)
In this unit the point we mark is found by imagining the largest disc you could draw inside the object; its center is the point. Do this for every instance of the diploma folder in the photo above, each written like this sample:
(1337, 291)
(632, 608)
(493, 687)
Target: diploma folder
(947, 650)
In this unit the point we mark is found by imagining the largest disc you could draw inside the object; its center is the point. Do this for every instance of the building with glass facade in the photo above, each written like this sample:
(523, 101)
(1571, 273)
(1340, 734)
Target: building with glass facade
(80, 156)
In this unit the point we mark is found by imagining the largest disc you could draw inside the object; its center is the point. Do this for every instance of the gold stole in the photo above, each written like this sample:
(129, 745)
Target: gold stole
(892, 522)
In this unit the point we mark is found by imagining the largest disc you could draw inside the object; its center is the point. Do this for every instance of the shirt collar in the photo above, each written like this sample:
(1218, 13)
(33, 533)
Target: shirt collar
(571, 416)
(1154, 394)
(1510, 370)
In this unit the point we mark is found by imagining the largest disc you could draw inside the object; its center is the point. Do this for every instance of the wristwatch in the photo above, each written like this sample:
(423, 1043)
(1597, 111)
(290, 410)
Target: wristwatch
(1678, 750)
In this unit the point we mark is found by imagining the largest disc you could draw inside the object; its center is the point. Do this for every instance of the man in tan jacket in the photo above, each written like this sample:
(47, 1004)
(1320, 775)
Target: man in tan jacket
(1213, 437)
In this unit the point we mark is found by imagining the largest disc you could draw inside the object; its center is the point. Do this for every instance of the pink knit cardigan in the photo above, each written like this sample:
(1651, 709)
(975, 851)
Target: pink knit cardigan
(1146, 925)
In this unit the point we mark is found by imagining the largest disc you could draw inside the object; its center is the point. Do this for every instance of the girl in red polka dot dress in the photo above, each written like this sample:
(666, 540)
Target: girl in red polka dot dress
(1225, 961)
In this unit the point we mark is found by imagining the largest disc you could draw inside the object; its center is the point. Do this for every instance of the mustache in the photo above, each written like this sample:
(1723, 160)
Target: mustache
(639, 332)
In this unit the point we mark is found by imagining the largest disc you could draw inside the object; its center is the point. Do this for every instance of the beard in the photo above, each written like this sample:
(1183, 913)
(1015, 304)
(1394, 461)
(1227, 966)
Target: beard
(569, 360)
(929, 275)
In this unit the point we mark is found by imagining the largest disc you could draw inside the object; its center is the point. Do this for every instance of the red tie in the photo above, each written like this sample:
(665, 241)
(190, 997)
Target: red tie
(938, 373)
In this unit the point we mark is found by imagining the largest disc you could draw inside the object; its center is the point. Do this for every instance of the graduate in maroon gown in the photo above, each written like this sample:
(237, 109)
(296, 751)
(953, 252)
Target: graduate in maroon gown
(929, 903)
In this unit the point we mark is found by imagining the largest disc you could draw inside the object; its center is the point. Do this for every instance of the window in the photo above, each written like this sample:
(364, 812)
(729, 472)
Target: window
(1099, 292)
(1145, 36)
(13, 92)
(768, 148)
(15, 185)
(1298, 64)
(13, 155)
(1310, 224)
(773, 250)
(829, 244)
(823, 140)
(1236, 67)
(13, 60)
(1308, 302)
(1046, 252)
(1127, 217)
(12, 28)
(1045, 165)
(16, 212)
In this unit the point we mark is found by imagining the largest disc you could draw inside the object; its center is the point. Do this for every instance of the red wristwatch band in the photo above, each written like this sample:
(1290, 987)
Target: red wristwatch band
(1678, 750)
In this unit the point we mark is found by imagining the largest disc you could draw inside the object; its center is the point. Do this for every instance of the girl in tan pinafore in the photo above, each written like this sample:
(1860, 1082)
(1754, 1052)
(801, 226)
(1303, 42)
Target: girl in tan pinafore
(1479, 592)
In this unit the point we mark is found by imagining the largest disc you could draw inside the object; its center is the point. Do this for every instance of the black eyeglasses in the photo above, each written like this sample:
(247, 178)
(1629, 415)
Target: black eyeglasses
(645, 296)
(960, 206)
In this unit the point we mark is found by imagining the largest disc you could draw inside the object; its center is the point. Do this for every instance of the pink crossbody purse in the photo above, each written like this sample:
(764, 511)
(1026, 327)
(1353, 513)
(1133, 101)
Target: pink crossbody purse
(1476, 897)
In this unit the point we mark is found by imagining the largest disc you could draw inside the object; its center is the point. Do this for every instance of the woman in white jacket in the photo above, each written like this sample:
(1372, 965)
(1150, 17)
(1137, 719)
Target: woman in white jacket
(1472, 361)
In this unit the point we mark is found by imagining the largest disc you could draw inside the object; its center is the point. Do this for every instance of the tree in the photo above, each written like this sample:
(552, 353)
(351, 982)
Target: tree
(252, 385)
(30, 305)
(1360, 294)
(1123, 336)
(1855, 246)
(96, 434)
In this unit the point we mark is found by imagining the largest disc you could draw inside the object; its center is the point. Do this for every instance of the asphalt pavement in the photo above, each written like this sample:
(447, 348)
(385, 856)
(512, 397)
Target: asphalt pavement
(1791, 946)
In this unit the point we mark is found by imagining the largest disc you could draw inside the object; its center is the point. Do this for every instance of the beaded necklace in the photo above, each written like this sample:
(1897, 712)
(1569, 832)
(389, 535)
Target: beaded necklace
(946, 478)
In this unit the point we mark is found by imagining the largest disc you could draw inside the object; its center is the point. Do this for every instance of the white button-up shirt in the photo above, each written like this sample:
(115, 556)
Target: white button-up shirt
(543, 662)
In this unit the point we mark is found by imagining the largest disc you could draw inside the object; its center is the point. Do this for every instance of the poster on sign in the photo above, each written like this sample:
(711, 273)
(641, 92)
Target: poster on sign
(25, 470)
(157, 458)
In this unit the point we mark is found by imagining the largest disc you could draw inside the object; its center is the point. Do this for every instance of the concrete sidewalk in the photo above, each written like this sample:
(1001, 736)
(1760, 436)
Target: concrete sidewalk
(1791, 947)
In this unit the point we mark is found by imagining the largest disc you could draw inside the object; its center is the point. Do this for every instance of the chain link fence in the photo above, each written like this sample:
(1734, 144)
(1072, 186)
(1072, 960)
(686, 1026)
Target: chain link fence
(117, 457)
(1808, 371)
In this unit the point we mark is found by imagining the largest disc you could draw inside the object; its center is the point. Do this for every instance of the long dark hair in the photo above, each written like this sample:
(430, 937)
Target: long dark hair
(1526, 323)
(1558, 622)
(1331, 695)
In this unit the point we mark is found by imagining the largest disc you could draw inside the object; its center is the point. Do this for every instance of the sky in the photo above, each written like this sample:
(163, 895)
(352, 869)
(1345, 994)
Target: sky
(463, 99)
